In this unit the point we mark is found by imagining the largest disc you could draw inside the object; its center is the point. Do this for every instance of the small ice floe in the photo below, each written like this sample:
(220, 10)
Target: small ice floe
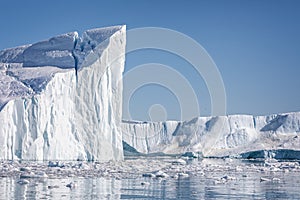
(52, 186)
(55, 164)
(228, 178)
(274, 169)
(218, 182)
(25, 169)
(41, 175)
(228, 160)
(27, 175)
(145, 183)
(275, 179)
(175, 176)
(270, 162)
(84, 166)
(191, 154)
(224, 179)
(201, 173)
(183, 175)
(149, 175)
(71, 185)
(262, 179)
(81, 165)
(179, 162)
(293, 165)
(161, 174)
(238, 169)
(23, 182)
(33, 175)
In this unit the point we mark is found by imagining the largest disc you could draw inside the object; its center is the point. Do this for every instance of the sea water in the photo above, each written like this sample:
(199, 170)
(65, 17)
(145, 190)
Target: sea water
(136, 178)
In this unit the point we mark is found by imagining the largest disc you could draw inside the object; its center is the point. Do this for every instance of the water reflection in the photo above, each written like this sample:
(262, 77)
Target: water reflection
(99, 188)
(246, 185)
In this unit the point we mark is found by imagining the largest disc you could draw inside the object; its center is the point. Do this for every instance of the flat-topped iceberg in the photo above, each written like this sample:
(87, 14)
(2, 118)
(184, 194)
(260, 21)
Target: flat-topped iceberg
(220, 136)
(60, 99)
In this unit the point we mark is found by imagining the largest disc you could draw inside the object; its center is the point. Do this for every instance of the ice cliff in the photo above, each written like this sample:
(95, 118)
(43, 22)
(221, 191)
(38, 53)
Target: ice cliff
(60, 99)
(233, 135)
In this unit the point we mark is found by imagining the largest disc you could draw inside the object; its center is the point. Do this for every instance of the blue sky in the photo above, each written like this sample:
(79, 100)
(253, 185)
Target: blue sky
(255, 45)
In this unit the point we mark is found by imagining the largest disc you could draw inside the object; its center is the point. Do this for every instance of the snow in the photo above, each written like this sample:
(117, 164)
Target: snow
(219, 136)
(57, 104)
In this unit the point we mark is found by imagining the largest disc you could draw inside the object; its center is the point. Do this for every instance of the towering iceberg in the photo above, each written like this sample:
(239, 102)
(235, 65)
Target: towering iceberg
(215, 136)
(60, 99)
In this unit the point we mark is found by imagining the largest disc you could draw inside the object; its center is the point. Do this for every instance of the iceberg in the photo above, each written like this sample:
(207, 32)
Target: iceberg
(61, 99)
(219, 136)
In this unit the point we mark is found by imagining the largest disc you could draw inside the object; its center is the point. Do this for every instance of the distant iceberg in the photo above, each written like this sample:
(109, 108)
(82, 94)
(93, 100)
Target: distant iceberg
(220, 136)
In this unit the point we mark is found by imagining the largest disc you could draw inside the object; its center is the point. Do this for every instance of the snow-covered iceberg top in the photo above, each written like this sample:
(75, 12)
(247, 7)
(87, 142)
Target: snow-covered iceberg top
(61, 98)
(26, 70)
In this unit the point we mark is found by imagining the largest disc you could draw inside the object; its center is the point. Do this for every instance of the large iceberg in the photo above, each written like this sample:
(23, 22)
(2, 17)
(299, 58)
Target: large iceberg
(60, 99)
(221, 136)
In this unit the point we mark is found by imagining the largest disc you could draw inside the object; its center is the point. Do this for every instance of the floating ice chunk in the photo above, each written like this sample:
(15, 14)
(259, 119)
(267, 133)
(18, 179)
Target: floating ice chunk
(150, 175)
(23, 182)
(52, 186)
(161, 174)
(275, 179)
(192, 155)
(25, 169)
(179, 162)
(183, 175)
(262, 179)
(71, 185)
(145, 183)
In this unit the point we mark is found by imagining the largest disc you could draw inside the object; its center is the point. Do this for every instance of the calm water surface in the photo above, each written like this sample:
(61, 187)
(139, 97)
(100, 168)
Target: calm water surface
(243, 184)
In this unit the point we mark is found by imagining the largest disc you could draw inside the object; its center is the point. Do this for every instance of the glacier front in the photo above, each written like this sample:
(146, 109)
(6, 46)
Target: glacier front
(219, 136)
(61, 99)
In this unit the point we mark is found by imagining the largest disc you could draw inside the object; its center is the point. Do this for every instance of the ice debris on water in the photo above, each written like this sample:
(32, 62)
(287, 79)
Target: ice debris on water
(179, 162)
(145, 183)
(262, 179)
(55, 164)
(191, 154)
(52, 186)
(37, 174)
(183, 175)
(160, 174)
(149, 175)
(71, 185)
(23, 182)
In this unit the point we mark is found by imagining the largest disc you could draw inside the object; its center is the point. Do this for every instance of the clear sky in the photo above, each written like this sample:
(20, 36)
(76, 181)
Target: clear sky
(255, 45)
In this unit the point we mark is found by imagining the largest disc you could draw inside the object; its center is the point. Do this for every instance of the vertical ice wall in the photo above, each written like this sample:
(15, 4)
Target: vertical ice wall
(99, 92)
(61, 98)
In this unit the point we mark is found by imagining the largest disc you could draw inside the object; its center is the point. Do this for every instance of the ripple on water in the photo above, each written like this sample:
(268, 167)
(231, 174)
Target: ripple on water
(154, 178)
